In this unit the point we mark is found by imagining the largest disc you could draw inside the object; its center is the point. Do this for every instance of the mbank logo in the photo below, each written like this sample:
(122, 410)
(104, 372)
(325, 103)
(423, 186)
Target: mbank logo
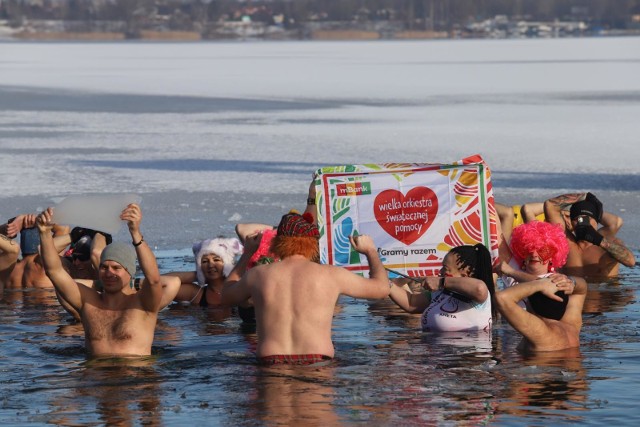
(353, 189)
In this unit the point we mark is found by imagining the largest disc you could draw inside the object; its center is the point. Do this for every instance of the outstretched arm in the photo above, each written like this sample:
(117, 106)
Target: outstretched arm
(409, 301)
(62, 281)
(470, 287)
(151, 292)
(170, 289)
(377, 285)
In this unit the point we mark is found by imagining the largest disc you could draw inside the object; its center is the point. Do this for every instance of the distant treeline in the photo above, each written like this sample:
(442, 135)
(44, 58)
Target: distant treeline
(414, 14)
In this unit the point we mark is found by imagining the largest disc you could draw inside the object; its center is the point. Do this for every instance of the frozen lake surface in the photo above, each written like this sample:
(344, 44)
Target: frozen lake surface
(211, 134)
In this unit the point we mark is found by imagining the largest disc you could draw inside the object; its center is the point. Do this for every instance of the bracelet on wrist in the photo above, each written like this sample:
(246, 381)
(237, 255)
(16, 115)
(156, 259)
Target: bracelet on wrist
(135, 245)
(311, 201)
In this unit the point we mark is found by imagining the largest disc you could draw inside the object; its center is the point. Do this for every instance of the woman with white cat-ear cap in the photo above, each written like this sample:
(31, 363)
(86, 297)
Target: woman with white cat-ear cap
(215, 258)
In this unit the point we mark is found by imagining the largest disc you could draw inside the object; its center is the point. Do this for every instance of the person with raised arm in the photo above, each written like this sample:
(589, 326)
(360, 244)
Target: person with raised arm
(117, 321)
(460, 298)
(594, 253)
(295, 298)
(553, 316)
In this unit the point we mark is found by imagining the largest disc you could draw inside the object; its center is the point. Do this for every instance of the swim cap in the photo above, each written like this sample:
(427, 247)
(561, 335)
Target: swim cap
(547, 307)
(296, 225)
(585, 207)
(123, 254)
(225, 248)
(82, 249)
(29, 241)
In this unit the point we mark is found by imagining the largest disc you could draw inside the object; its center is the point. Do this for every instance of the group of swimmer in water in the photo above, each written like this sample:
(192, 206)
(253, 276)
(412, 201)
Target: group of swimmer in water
(274, 278)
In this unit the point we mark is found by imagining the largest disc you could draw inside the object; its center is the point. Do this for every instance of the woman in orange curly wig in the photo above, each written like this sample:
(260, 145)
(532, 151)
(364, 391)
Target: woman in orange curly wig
(538, 248)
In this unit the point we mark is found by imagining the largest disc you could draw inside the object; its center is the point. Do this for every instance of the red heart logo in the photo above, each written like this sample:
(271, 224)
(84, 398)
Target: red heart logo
(406, 218)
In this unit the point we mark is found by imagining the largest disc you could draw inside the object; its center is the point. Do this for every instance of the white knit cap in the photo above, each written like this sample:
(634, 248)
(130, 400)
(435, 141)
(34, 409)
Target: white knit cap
(227, 249)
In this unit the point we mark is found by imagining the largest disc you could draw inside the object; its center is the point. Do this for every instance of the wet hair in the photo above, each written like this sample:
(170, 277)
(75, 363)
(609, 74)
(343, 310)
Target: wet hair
(286, 246)
(548, 240)
(478, 260)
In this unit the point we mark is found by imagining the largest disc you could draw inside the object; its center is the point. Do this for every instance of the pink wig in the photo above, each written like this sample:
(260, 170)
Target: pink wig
(548, 240)
(264, 250)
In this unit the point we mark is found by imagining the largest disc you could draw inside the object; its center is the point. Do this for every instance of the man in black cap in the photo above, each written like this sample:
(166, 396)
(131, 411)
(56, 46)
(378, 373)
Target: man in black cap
(594, 253)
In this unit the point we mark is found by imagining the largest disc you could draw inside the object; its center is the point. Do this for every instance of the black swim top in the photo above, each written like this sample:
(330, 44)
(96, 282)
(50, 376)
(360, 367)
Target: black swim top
(203, 299)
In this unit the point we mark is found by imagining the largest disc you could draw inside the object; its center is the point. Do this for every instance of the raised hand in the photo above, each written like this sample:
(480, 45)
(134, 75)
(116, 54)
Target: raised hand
(133, 215)
(44, 221)
(362, 243)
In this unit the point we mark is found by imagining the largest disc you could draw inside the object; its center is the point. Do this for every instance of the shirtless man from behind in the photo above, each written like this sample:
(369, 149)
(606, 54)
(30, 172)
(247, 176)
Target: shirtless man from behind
(295, 298)
(593, 253)
(119, 321)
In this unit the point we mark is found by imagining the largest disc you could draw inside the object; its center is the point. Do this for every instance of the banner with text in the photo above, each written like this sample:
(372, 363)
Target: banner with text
(415, 212)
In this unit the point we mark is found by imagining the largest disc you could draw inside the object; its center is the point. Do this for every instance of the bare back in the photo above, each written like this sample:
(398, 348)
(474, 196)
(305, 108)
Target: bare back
(589, 261)
(294, 301)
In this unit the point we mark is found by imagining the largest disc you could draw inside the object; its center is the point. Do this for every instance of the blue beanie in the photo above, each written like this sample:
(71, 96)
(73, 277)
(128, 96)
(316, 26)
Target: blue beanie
(29, 241)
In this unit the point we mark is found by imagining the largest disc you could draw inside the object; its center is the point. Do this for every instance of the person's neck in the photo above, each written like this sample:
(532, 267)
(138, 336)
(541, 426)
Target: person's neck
(216, 286)
(296, 257)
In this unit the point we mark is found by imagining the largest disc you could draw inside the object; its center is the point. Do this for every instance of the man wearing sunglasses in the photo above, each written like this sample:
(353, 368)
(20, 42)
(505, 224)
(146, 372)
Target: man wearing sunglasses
(594, 250)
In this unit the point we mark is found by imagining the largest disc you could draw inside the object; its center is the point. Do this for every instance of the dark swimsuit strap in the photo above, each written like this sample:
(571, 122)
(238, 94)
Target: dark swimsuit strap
(203, 298)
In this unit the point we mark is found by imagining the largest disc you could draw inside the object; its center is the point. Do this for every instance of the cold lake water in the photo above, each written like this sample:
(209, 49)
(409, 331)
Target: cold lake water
(212, 134)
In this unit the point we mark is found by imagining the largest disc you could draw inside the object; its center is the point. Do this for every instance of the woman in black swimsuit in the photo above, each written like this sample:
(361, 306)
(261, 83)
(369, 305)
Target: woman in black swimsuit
(215, 259)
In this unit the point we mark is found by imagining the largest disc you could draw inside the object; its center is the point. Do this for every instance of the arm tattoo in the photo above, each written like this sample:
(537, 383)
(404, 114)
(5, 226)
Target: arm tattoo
(565, 201)
(3, 237)
(618, 252)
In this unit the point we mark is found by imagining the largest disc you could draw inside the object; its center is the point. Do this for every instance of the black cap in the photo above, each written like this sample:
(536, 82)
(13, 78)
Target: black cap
(585, 207)
(82, 249)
